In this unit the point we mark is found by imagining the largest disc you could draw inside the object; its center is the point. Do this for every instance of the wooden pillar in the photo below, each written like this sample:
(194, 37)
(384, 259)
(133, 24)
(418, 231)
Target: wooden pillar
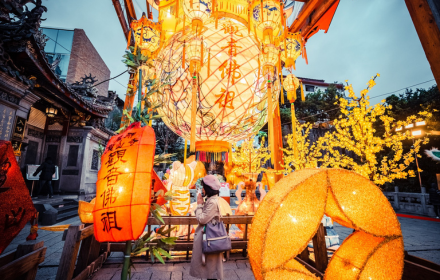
(278, 137)
(425, 16)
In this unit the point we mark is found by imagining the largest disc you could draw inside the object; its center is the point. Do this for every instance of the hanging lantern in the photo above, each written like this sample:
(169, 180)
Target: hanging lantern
(197, 12)
(231, 98)
(51, 111)
(196, 52)
(266, 20)
(269, 59)
(124, 185)
(291, 83)
(291, 49)
(147, 35)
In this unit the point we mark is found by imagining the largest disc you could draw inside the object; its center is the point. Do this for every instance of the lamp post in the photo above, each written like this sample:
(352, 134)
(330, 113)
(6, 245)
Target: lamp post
(416, 131)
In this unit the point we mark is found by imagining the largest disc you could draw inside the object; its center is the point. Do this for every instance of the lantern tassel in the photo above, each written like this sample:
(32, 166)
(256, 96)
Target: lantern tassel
(129, 39)
(295, 144)
(202, 53)
(303, 98)
(209, 61)
(282, 91)
(184, 152)
(270, 121)
(183, 28)
(259, 67)
(249, 19)
(183, 56)
(305, 55)
(191, 3)
(193, 115)
(176, 12)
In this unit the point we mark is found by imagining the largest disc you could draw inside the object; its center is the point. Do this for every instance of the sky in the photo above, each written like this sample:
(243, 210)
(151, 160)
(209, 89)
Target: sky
(365, 37)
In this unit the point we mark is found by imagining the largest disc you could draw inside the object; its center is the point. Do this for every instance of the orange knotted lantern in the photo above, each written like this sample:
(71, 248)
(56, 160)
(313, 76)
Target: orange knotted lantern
(124, 185)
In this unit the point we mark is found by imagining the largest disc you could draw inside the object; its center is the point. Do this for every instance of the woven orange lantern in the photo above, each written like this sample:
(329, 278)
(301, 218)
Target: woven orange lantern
(124, 185)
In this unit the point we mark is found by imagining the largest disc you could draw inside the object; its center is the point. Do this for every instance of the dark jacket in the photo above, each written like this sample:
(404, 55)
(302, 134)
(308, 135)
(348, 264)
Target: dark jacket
(434, 196)
(47, 169)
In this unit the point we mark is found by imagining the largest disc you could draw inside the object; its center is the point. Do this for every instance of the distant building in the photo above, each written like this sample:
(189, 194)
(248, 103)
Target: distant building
(73, 56)
(313, 85)
(48, 103)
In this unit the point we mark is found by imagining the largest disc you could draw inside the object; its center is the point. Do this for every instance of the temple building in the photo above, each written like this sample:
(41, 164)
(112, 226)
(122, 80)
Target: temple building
(54, 98)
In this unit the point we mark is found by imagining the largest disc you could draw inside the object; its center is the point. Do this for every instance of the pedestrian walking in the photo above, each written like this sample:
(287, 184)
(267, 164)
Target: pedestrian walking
(434, 198)
(209, 266)
(47, 169)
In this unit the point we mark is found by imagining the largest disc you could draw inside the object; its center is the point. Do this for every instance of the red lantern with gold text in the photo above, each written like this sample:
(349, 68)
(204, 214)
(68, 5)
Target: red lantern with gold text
(124, 185)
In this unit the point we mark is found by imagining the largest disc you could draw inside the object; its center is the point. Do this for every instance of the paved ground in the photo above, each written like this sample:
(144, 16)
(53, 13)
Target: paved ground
(422, 239)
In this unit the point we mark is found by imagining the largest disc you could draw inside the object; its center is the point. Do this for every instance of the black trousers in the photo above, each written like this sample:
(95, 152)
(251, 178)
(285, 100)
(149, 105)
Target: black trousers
(41, 186)
(436, 210)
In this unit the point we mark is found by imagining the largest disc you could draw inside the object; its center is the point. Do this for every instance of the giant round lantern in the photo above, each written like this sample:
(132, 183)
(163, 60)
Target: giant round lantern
(231, 91)
(124, 184)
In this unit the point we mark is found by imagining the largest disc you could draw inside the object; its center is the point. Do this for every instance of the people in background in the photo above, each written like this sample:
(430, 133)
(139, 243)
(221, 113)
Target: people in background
(434, 198)
(47, 169)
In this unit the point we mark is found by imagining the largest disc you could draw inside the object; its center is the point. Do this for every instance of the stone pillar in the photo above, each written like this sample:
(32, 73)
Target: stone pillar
(396, 198)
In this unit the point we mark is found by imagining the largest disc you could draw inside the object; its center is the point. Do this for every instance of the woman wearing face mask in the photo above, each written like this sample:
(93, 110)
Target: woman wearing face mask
(208, 266)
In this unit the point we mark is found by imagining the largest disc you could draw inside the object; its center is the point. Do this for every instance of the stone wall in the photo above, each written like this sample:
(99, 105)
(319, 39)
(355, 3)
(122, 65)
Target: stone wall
(85, 59)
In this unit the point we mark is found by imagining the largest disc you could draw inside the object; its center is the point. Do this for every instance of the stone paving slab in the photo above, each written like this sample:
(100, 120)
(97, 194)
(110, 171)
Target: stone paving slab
(421, 238)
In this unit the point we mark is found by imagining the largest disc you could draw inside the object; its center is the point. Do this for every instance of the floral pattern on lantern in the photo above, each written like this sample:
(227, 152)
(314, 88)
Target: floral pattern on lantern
(124, 184)
(232, 101)
(290, 215)
(197, 12)
(266, 21)
(291, 49)
(147, 35)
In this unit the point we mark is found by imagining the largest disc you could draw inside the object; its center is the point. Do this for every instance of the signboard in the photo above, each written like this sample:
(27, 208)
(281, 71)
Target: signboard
(30, 169)
(16, 146)
(19, 127)
(7, 117)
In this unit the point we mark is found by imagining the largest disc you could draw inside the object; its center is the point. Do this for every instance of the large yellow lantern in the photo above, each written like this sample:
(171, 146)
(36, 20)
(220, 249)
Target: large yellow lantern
(266, 19)
(197, 12)
(290, 214)
(290, 84)
(231, 97)
(147, 35)
(291, 49)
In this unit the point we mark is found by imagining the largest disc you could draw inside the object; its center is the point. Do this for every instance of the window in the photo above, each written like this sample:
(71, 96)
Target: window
(58, 49)
(31, 153)
(310, 88)
(72, 157)
(95, 160)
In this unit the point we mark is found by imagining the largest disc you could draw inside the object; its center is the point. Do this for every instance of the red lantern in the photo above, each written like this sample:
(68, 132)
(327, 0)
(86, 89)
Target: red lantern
(16, 207)
(124, 185)
(158, 185)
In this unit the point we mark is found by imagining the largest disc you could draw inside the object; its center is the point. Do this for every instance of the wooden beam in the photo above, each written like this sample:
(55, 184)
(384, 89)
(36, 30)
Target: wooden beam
(320, 249)
(121, 18)
(131, 13)
(22, 265)
(185, 220)
(428, 31)
(303, 15)
(70, 253)
(317, 15)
